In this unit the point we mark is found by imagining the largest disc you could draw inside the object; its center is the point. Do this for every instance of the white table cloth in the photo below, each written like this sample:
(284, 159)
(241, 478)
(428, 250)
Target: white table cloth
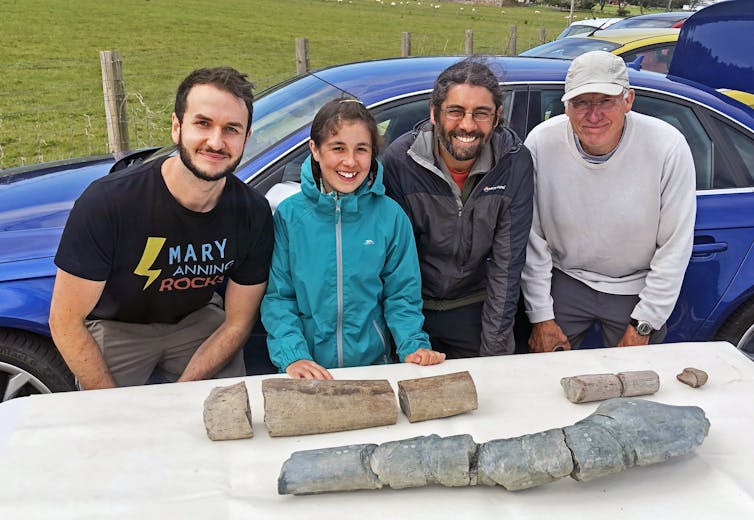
(143, 452)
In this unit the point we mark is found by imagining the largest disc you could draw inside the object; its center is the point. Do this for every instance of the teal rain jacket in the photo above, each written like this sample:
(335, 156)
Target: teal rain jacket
(344, 273)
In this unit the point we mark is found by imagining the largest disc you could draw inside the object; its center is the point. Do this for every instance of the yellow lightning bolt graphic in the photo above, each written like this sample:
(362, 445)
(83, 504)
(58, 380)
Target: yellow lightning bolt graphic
(151, 250)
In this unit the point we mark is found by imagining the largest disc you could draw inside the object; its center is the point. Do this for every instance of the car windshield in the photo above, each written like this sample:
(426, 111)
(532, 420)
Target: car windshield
(569, 48)
(575, 30)
(652, 23)
(280, 111)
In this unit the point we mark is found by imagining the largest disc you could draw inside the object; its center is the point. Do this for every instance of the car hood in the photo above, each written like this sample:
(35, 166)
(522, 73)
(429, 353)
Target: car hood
(712, 47)
(35, 202)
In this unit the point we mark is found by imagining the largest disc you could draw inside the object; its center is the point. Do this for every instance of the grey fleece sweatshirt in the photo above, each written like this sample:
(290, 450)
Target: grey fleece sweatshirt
(621, 227)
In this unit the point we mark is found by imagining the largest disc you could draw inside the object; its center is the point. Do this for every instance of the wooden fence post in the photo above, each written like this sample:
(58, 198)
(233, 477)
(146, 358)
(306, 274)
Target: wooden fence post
(115, 101)
(542, 34)
(405, 44)
(302, 55)
(469, 42)
(512, 41)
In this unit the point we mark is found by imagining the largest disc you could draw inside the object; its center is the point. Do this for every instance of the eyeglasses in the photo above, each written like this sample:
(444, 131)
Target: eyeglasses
(456, 114)
(583, 107)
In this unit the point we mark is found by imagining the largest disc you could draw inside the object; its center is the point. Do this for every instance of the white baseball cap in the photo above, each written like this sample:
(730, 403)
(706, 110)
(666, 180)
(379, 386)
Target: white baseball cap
(595, 72)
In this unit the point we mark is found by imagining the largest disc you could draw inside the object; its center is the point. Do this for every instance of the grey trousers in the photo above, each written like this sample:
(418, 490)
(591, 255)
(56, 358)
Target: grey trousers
(577, 306)
(133, 351)
(457, 332)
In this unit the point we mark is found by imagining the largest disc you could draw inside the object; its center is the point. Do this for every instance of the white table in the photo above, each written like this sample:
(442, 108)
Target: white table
(143, 453)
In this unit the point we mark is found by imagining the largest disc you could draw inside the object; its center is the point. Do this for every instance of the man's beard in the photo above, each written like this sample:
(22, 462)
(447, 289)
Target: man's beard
(193, 168)
(446, 140)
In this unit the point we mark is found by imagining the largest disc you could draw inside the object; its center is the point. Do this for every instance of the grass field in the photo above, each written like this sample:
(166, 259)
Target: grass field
(51, 104)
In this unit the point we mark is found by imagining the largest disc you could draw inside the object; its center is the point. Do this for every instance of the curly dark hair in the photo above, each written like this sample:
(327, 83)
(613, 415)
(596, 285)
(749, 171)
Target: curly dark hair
(470, 71)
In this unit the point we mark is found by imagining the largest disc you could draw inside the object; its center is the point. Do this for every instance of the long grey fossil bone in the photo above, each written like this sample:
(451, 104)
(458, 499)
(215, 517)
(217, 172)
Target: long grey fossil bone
(621, 433)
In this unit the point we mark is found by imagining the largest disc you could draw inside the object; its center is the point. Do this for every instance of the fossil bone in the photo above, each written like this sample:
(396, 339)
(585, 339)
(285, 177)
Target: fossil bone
(597, 387)
(437, 396)
(620, 434)
(300, 407)
(227, 415)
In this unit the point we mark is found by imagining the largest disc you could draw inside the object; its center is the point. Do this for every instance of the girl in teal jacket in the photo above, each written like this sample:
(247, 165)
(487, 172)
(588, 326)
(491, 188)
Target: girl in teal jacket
(345, 273)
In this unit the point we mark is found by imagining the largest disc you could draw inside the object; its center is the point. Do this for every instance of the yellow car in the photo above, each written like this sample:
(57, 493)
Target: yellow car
(655, 45)
(747, 98)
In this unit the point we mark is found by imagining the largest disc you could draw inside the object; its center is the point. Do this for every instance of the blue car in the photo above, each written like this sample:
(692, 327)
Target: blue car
(717, 299)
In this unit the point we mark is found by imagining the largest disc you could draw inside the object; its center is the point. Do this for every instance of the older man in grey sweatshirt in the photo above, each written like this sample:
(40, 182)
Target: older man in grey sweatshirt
(614, 209)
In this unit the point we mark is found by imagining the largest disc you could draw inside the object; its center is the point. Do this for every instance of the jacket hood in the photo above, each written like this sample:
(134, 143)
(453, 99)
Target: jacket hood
(349, 203)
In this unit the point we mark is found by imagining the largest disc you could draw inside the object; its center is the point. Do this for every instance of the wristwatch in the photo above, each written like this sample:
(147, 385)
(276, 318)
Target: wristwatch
(644, 328)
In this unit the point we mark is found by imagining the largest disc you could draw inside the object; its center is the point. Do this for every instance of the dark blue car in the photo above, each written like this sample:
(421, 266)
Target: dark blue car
(717, 299)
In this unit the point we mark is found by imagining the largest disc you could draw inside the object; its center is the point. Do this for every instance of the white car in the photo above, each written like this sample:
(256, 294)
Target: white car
(586, 26)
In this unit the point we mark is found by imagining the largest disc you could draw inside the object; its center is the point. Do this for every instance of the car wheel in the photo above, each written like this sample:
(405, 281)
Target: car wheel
(739, 329)
(30, 364)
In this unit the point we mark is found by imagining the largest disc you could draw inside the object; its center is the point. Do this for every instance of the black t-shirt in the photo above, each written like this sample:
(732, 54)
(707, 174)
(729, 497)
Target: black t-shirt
(160, 260)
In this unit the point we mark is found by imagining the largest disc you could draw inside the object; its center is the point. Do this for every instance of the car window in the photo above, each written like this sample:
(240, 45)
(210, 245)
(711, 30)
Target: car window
(280, 112)
(392, 121)
(551, 105)
(685, 120)
(396, 120)
(515, 109)
(737, 162)
(569, 48)
(656, 58)
(547, 104)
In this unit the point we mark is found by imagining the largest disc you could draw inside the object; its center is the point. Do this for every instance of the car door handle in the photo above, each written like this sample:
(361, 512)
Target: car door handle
(708, 249)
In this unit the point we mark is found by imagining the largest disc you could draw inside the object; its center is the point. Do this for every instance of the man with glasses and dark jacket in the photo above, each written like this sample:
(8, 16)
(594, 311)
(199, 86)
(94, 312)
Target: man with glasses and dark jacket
(614, 209)
(466, 183)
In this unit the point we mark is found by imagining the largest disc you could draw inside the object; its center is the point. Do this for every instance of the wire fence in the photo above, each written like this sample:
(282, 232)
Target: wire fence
(54, 110)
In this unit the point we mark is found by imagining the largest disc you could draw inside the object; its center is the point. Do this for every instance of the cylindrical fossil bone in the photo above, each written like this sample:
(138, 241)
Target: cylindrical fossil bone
(692, 377)
(328, 469)
(526, 461)
(621, 433)
(227, 415)
(301, 406)
(437, 396)
(422, 461)
(597, 387)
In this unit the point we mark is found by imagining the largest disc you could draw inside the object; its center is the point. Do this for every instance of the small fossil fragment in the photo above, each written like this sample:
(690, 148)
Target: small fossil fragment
(692, 377)
(597, 387)
(437, 396)
(620, 434)
(227, 415)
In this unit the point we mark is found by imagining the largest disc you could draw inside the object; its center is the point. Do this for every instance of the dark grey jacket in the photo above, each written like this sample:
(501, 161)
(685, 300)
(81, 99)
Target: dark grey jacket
(472, 251)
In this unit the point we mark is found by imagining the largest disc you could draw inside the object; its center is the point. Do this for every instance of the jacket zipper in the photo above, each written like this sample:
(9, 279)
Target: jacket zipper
(339, 264)
(458, 240)
(382, 338)
(459, 226)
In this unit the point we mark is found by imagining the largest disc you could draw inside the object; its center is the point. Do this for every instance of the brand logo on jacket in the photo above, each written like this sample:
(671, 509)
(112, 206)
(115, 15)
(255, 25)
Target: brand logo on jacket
(493, 188)
(368, 242)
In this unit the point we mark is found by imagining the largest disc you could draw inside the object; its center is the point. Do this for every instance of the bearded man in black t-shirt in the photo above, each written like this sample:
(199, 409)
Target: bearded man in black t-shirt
(144, 251)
